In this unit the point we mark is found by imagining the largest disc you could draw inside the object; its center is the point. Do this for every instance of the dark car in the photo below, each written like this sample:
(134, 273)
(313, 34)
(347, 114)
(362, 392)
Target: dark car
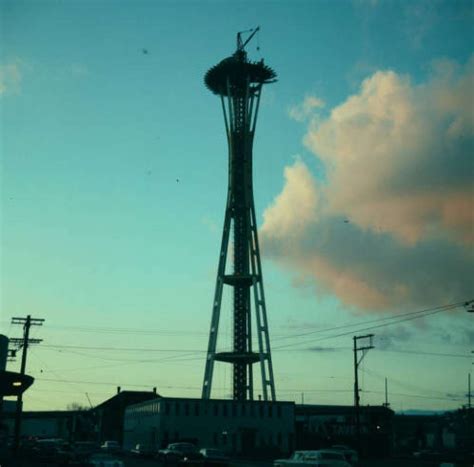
(179, 452)
(143, 450)
(214, 457)
(52, 452)
(84, 449)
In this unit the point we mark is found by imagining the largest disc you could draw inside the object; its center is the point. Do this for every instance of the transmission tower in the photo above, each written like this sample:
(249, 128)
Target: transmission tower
(239, 83)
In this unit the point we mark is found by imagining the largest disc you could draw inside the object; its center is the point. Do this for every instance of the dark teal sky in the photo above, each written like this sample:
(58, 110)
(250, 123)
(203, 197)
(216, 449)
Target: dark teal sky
(114, 175)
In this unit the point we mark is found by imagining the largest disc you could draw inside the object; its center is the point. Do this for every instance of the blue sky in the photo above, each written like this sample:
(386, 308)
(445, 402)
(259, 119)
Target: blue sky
(114, 177)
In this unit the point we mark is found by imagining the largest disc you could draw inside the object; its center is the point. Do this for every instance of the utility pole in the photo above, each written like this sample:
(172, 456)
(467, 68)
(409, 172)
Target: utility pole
(23, 343)
(386, 404)
(357, 362)
(469, 390)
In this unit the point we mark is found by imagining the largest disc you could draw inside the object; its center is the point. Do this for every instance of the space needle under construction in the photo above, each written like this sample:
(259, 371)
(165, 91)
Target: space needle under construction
(239, 84)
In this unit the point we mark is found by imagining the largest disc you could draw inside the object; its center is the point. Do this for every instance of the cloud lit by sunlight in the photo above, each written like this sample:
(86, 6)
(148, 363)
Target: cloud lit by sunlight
(393, 221)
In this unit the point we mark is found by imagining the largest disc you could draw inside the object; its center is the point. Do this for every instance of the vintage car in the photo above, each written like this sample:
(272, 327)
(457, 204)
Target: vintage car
(350, 454)
(179, 452)
(320, 458)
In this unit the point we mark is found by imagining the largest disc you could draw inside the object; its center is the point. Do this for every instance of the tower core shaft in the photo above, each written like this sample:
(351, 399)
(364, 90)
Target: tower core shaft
(239, 83)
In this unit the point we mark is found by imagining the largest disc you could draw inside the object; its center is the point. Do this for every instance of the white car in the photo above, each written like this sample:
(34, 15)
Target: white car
(320, 458)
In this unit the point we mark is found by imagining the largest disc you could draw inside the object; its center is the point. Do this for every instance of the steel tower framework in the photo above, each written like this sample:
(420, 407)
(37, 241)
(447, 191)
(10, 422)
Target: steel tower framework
(239, 84)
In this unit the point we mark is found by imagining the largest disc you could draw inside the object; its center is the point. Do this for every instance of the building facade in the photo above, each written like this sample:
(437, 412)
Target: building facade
(109, 415)
(236, 427)
(321, 426)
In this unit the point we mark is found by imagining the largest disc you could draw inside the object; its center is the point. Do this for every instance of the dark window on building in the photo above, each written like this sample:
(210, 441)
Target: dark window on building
(279, 411)
(167, 408)
(215, 439)
(234, 410)
(243, 411)
(196, 408)
(260, 410)
(252, 410)
(186, 409)
(225, 410)
(216, 409)
(176, 408)
(270, 410)
(279, 439)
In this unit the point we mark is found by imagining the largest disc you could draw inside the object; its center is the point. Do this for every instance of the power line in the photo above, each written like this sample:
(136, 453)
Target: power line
(378, 320)
(418, 396)
(421, 352)
(369, 328)
(120, 349)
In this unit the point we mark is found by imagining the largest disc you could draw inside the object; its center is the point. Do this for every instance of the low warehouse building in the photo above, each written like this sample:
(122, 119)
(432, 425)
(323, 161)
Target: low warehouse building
(236, 427)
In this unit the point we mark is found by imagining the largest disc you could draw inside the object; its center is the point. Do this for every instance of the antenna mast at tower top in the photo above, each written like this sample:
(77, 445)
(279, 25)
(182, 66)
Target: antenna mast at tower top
(241, 45)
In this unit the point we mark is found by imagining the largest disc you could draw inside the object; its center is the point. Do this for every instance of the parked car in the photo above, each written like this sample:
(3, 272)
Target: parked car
(112, 447)
(103, 459)
(84, 449)
(143, 450)
(214, 457)
(179, 452)
(52, 451)
(320, 458)
(350, 454)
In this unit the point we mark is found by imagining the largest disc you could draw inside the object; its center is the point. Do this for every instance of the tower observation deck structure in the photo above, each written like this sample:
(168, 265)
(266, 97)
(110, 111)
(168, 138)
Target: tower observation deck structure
(239, 83)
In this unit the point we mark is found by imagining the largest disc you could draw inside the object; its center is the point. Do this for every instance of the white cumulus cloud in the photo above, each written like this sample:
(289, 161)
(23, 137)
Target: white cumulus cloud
(302, 111)
(393, 221)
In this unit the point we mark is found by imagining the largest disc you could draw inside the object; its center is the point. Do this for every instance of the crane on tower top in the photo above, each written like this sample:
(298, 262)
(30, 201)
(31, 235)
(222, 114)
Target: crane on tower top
(240, 44)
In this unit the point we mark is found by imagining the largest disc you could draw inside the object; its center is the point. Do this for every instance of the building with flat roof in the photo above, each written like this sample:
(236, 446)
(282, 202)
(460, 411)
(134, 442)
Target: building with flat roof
(109, 415)
(236, 427)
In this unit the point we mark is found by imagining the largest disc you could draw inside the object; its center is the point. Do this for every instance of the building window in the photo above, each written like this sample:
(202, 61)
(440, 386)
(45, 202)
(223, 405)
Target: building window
(252, 410)
(215, 439)
(234, 410)
(196, 408)
(260, 410)
(216, 409)
(279, 411)
(176, 408)
(186, 409)
(270, 410)
(243, 411)
(279, 439)
(167, 408)
(225, 410)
